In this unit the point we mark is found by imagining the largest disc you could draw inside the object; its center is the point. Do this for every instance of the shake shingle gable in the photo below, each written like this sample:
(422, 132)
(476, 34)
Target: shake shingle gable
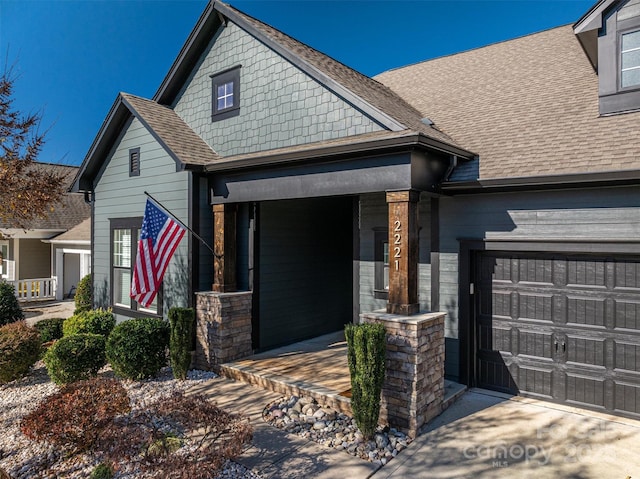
(363, 87)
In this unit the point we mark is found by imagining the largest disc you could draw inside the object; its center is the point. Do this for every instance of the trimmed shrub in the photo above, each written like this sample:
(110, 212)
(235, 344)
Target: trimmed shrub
(10, 310)
(97, 321)
(137, 348)
(19, 350)
(50, 329)
(102, 471)
(83, 296)
(181, 321)
(366, 351)
(75, 416)
(75, 357)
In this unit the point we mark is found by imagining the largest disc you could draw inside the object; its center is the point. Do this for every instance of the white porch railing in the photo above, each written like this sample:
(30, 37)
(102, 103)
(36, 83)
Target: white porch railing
(8, 270)
(35, 289)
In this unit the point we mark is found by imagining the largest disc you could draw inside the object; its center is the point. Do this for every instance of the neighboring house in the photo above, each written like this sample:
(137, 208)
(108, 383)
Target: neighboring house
(46, 259)
(501, 185)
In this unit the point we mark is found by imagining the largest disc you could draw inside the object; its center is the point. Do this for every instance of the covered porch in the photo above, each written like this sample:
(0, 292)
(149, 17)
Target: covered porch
(302, 247)
(316, 368)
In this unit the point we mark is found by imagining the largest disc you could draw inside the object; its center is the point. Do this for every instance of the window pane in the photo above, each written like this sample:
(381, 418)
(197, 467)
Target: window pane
(385, 256)
(630, 41)
(631, 78)
(122, 287)
(386, 277)
(631, 59)
(153, 307)
(122, 248)
(224, 97)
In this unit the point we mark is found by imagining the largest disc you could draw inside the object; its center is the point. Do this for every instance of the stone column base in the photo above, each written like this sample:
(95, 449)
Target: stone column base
(223, 328)
(413, 388)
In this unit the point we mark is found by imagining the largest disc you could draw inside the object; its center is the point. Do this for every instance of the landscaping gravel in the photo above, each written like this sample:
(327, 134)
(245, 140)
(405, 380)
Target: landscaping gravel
(306, 418)
(26, 459)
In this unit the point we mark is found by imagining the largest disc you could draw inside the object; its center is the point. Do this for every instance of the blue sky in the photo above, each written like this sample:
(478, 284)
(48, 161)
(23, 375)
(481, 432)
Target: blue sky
(72, 57)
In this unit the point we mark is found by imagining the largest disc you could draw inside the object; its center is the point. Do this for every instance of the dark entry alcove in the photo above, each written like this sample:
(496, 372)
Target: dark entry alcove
(304, 269)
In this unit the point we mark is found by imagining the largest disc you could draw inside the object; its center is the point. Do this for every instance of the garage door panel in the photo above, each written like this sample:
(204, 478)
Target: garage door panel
(627, 315)
(535, 381)
(586, 311)
(627, 398)
(588, 351)
(497, 304)
(494, 338)
(535, 343)
(627, 356)
(535, 270)
(586, 272)
(495, 373)
(535, 307)
(585, 391)
(627, 275)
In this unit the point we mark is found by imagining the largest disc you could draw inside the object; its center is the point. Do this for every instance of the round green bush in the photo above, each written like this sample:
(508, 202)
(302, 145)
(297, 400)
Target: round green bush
(10, 309)
(19, 350)
(84, 292)
(75, 357)
(137, 348)
(50, 329)
(97, 321)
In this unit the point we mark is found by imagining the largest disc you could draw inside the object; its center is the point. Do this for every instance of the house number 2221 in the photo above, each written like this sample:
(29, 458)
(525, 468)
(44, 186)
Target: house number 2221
(397, 241)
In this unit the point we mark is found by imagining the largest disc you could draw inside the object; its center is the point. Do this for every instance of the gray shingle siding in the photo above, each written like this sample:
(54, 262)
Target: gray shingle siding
(117, 195)
(279, 104)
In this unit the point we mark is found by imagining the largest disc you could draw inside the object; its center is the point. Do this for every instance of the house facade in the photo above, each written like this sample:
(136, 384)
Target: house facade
(504, 193)
(46, 259)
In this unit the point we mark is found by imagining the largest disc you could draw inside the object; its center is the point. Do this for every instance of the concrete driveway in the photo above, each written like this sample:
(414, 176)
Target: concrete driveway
(489, 435)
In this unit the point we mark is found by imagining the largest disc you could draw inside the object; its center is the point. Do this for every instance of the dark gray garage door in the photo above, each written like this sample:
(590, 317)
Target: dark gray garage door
(560, 327)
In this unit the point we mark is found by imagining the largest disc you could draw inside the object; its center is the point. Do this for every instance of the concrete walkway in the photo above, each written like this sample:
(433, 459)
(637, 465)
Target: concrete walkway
(489, 435)
(274, 454)
(37, 311)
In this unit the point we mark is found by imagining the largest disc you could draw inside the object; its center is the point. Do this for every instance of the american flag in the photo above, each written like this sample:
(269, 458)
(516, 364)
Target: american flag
(159, 239)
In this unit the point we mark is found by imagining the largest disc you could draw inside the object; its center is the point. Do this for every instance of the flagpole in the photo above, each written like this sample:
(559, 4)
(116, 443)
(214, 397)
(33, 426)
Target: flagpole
(185, 226)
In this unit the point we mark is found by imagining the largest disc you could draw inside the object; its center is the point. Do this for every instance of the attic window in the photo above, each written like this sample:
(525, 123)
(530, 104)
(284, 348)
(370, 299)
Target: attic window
(134, 162)
(630, 59)
(225, 94)
(618, 47)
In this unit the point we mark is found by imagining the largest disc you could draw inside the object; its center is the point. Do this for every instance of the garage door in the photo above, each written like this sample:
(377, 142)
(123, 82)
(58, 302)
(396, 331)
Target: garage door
(560, 327)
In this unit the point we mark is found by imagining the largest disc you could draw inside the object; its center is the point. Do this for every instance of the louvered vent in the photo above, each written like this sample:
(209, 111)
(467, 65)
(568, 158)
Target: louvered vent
(134, 162)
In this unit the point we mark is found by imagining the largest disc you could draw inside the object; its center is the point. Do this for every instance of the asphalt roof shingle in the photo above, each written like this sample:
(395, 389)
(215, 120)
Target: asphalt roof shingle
(527, 106)
(171, 130)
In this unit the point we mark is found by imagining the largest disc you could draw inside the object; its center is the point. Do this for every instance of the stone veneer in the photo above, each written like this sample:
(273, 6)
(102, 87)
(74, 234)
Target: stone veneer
(223, 328)
(413, 388)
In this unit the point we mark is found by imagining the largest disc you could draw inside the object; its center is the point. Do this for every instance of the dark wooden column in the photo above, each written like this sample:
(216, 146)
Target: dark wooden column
(224, 248)
(403, 252)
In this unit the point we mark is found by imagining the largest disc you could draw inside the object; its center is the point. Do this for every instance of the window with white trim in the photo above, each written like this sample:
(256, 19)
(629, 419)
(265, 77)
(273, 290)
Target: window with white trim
(226, 94)
(125, 233)
(630, 59)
